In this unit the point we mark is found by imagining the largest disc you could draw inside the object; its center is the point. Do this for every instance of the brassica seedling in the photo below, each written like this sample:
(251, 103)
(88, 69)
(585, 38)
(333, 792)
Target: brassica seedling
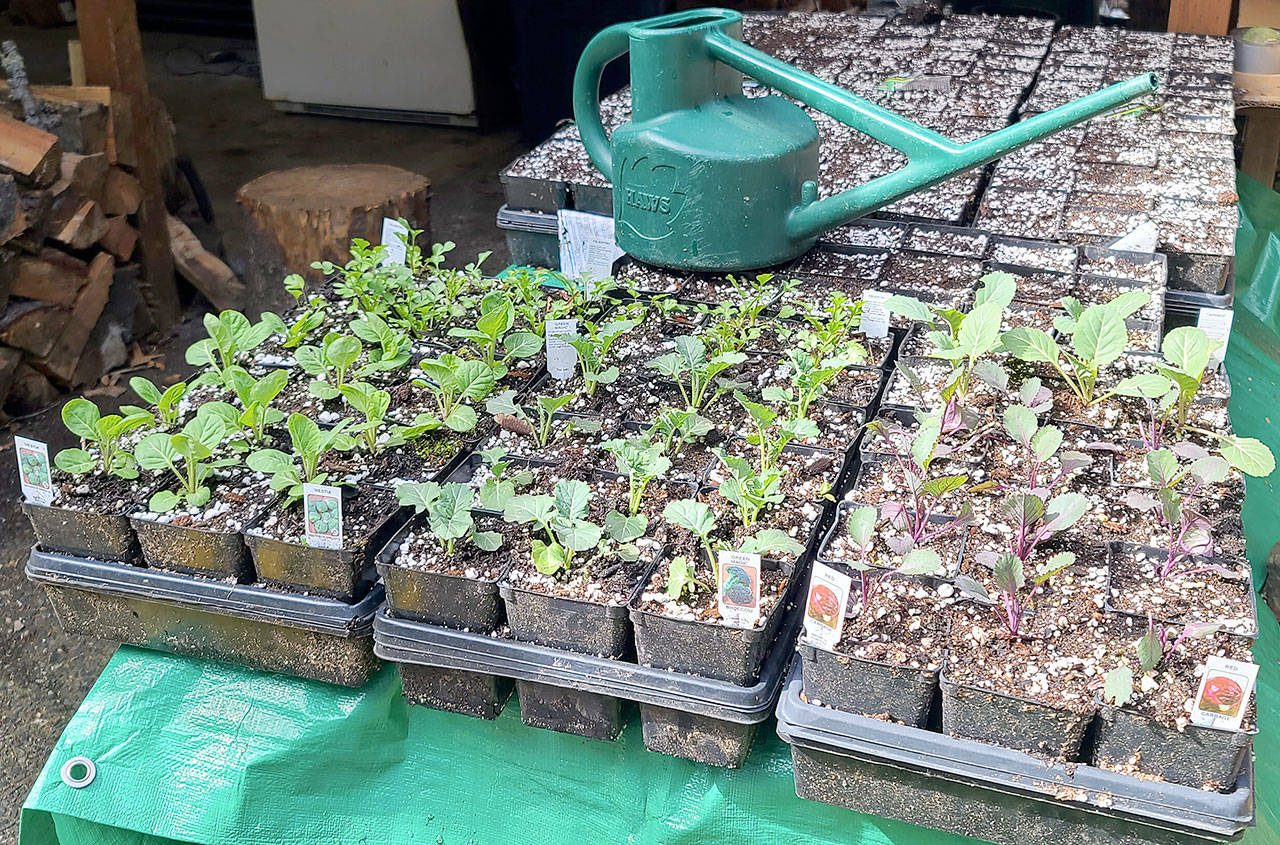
(1151, 650)
(499, 486)
(448, 509)
(372, 404)
(187, 454)
(562, 517)
(329, 363)
(83, 419)
(640, 463)
(593, 347)
(696, 374)
(165, 402)
(860, 526)
(231, 336)
(310, 444)
(493, 337)
(772, 433)
(514, 418)
(1012, 583)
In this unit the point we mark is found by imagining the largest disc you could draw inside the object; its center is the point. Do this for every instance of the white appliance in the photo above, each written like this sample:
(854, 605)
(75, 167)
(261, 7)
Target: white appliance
(381, 59)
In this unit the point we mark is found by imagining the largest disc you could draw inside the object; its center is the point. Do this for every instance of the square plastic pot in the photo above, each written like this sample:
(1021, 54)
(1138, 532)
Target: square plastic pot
(97, 535)
(867, 687)
(569, 711)
(1010, 721)
(344, 574)
(196, 551)
(1204, 758)
(455, 690)
(703, 739)
(438, 598)
(299, 635)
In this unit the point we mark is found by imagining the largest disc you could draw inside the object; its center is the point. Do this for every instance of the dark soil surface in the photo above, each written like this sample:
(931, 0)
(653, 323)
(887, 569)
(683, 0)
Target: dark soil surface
(362, 514)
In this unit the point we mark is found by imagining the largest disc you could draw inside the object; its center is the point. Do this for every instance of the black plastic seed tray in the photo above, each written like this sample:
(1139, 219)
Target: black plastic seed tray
(685, 715)
(261, 628)
(992, 793)
(533, 237)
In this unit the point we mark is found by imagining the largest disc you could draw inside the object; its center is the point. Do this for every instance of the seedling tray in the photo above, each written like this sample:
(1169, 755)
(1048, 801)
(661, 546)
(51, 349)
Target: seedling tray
(683, 715)
(99, 535)
(294, 634)
(533, 237)
(992, 793)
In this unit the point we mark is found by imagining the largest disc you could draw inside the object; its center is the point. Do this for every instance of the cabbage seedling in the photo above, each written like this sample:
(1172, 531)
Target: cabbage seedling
(83, 419)
(310, 444)
(164, 402)
(448, 509)
(188, 455)
(329, 363)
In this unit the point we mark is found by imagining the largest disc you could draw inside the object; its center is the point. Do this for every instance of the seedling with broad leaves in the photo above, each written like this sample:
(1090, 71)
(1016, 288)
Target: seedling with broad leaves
(452, 382)
(1015, 591)
(330, 363)
(493, 337)
(1039, 445)
(1151, 650)
(448, 509)
(593, 345)
(696, 374)
(372, 404)
(1098, 338)
(771, 433)
(232, 336)
(514, 418)
(860, 527)
(101, 434)
(696, 518)
(640, 463)
(501, 485)
(811, 377)
(911, 518)
(561, 517)
(189, 456)
(673, 428)
(310, 445)
(164, 409)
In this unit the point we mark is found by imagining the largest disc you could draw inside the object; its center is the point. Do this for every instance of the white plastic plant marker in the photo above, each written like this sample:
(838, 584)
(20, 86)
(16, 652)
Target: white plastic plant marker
(1216, 323)
(875, 317)
(739, 594)
(562, 359)
(322, 515)
(587, 245)
(33, 470)
(395, 237)
(824, 607)
(1142, 239)
(78, 772)
(1223, 699)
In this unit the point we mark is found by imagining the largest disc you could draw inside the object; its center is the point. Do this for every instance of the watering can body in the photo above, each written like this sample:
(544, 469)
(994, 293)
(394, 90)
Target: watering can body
(705, 178)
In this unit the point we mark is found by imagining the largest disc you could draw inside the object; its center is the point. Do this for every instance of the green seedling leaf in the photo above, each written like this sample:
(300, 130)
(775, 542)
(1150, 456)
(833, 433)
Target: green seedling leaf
(1118, 687)
(1248, 455)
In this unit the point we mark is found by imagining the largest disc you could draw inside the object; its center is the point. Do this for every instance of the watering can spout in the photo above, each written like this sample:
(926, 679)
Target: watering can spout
(933, 158)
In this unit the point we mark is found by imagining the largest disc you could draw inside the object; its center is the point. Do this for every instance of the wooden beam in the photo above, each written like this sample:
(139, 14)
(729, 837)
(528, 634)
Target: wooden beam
(1261, 148)
(203, 269)
(75, 59)
(112, 49)
(1204, 17)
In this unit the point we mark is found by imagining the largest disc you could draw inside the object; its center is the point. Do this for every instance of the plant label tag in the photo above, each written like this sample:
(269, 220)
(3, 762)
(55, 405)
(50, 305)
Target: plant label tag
(739, 595)
(1223, 699)
(875, 317)
(1142, 239)
(824, 608)
(587, 244)
(395, 237)
(562, 359)
(1216, 323)
(926, 82)
(33, 470)
(322, 515)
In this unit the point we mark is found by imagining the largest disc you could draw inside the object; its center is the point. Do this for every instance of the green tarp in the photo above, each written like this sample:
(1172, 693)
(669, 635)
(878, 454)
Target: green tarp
(195, 751)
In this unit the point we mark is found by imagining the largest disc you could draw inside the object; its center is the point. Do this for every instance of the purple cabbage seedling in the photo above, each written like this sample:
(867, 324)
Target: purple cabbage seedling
(860, 526)
(1151, 650)
(1015, 591)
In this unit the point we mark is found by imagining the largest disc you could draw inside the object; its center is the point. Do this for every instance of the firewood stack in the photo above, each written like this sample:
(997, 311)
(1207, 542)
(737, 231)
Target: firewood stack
(68, 230)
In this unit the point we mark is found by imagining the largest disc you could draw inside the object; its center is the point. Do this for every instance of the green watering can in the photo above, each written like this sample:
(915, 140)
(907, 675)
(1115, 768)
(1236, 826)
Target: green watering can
(705, 178)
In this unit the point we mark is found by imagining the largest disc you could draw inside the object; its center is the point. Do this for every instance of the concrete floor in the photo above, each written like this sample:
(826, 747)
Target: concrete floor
(233, 135)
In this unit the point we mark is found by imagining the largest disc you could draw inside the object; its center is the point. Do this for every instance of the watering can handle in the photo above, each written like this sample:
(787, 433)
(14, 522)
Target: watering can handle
(607, 45)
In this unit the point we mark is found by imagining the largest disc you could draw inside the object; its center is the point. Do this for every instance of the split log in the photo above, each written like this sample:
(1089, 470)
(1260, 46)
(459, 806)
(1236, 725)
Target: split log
(203, 269)
(13, 220)
(37, 206)
(295, 217)
(30, 392)
(29, 153)
(51, 276)
(86, 173)
(118, 122)
(60, 363)
(32, 326)
(84, 228)
(120, 238)
(121, 192)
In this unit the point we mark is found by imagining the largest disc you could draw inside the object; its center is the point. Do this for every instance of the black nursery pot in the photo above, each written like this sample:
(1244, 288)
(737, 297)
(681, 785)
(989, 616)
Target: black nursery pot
(103, 536)
(710, 650)
(438, 598)
(867, 687)
(1011, 721)
(570, 711)
(344, 574)
(1205, 758)
(455, 690)
(196, 551)
(568, 623)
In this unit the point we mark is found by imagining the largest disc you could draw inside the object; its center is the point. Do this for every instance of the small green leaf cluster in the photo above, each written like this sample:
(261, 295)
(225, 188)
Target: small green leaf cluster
(103, 435)
(448, 508)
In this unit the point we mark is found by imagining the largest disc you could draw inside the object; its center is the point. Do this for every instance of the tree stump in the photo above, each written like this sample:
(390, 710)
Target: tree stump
(295, 217)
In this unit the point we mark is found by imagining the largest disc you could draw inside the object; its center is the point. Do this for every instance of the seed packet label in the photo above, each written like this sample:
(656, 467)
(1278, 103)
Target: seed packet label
(739, 596)
(562, 359)
(1223, 699)
(1216, 323)
(33, 470)
(1142, 239)
(926, 82)
(322, 515)
(875, 317)
(395, 238)
(824, 608)
(587, 244)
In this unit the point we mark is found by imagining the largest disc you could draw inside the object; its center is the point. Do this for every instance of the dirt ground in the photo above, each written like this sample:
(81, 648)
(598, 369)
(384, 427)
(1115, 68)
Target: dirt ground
(232, 135)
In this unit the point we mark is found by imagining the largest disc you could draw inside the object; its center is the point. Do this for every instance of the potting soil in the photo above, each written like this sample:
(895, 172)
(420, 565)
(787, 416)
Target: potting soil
(203, 752)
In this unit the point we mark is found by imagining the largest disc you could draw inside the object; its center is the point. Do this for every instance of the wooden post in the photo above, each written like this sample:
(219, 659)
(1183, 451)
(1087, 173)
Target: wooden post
(112, 49)
(75, 59)
(1204, 17)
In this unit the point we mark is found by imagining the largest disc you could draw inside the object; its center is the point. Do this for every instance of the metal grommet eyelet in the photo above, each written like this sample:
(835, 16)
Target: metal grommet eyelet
(78, 772)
